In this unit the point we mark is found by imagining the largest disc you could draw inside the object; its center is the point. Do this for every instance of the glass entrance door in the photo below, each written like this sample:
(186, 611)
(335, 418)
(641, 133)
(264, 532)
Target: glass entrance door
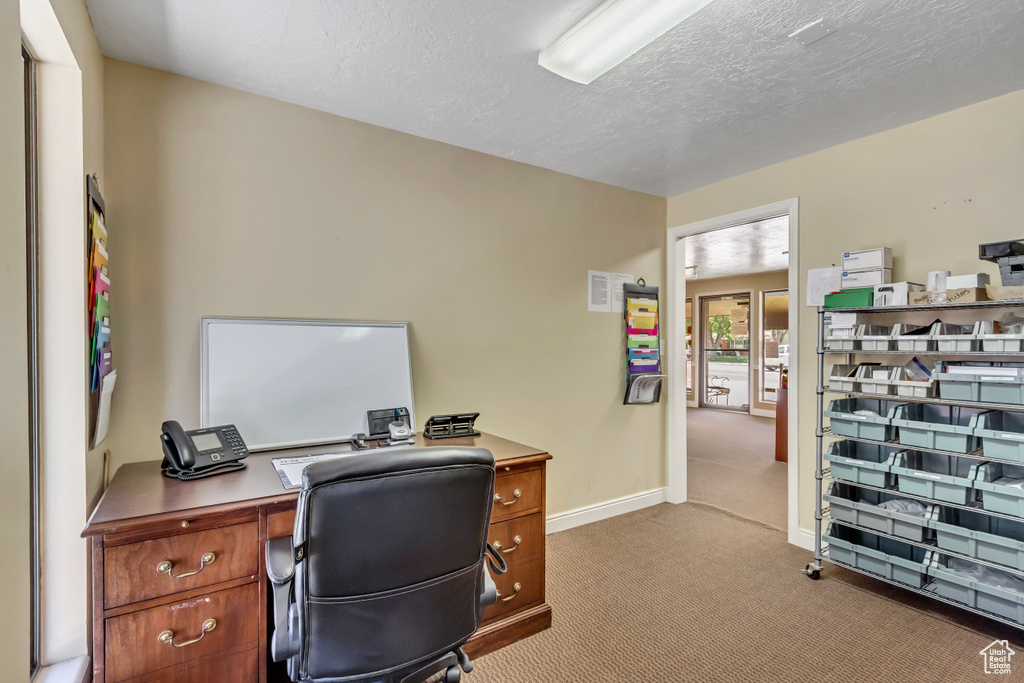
(725, 342)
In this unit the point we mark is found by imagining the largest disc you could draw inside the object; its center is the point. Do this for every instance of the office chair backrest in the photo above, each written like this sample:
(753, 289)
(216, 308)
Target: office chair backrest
(393, 566)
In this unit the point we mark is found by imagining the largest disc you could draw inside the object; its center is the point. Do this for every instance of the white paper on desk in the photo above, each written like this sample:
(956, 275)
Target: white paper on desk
(822, 281)
(619, 279)
(290, 469)
(599, 291)
(103, 408)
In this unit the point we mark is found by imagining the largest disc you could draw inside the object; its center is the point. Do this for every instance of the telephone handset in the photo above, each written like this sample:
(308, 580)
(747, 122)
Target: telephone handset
(201, 452)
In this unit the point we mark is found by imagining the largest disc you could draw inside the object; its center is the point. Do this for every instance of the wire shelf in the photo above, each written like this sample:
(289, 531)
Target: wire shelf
(950, 354)
(978, 454)
(934, 307)
(973, 507)
(938, 401)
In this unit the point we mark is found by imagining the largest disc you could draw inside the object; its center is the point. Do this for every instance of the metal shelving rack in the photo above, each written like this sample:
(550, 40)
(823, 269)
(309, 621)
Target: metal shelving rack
(823, 476)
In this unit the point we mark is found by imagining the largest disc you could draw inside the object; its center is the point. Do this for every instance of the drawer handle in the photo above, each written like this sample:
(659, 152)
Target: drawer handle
(517, 587)
(517, 540)
(166, 566)
(515, 497)
(167, 637)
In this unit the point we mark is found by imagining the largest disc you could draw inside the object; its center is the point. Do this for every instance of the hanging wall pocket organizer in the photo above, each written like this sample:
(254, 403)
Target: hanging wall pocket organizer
(102, 375)
(643, 350)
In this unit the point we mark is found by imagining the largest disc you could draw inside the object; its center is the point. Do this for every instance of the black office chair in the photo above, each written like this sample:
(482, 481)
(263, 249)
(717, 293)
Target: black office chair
(385, 576)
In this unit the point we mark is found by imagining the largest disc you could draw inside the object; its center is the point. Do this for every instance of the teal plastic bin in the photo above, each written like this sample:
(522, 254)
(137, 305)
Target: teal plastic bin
(993, 480)
(860, 507)
(975, 534)
(861, 463)
(964, 588)
(887, 557)
(1002, 435)
(947, 428)
(877, 426)
(931, 475)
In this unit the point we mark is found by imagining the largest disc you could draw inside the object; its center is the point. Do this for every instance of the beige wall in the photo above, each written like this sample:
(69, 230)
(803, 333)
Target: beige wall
(14, 482)
(932, 190)
(225, 203)
(755, 284)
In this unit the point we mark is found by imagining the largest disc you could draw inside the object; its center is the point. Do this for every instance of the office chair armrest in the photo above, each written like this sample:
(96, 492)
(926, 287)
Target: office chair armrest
(280, 559)
(489, 594)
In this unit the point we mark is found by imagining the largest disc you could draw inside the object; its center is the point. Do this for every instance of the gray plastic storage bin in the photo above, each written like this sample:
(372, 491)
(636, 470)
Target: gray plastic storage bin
(951, 338)
(913, 338)
(981, 384)
(845, 422)
(932, 475)
(860, 507)
(912, 388)
(996, 389)
(861, 463)
(882, 384)
(1000, 496)
(965, 589)
(841, 339)
(975, 534)
(1002, 435)
(886, 557)
(876, 338)
(843, 377)
(944, 428)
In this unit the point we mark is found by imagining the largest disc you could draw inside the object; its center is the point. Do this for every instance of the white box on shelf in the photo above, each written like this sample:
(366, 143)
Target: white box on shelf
(967, 281)
(866, 278)
(868, 259)
(896, 293)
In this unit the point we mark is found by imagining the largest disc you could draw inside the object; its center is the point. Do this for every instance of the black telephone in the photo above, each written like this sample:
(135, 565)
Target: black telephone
(201, 452)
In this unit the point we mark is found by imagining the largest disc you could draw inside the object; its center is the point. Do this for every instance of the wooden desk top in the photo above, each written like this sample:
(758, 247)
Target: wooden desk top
(140, 494)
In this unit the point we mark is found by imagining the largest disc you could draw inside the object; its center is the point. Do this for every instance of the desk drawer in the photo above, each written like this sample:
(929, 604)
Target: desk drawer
(133, 644)
(239, 668)
(530, 487)
(530, 577)
(519, 538)
(131, 572)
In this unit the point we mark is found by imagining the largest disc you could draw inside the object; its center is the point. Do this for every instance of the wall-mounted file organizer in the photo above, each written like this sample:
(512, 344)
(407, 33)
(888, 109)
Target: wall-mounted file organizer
(643, 348)
(101, 369)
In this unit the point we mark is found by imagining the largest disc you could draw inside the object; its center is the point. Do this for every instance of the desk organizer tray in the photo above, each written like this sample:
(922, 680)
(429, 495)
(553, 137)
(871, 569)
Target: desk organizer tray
(876, 338)
(988, 382)
(878, 379)
(975, 534)
(913, 338)
(887, 557)
(972, 586)
(845, 421)
(841, 339)
(1002, 435)
(946, 428)
(912, 388)
(994, 481)
(844, 378)
(932, 475)
(860, 507)
(951, 338)
(861, 463)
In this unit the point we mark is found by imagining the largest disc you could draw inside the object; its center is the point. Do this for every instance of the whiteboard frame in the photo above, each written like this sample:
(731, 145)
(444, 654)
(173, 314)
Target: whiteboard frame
(204, 407)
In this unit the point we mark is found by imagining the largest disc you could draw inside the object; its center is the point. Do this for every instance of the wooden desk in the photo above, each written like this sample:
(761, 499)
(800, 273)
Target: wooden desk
(145, 519)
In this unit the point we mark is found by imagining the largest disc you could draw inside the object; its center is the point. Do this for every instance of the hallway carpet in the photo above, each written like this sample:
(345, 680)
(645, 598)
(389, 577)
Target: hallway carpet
(688, 593)
(731, 465)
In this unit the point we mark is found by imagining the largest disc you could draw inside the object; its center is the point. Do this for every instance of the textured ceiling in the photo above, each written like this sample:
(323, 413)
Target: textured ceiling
(743, 250)
(723, 93)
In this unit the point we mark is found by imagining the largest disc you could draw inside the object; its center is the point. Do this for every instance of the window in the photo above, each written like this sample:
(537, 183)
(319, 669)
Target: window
(689, 347)
(775, 344)
(32, 241)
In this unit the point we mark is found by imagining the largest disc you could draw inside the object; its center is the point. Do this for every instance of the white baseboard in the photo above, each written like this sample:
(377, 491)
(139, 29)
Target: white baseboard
(69, 671)
(804, 539)
(609, 508)
(761, 412)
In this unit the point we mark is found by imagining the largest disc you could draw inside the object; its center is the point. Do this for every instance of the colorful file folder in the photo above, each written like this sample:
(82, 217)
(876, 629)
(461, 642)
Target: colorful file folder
(643, 354)
(642, 305)
(641, 341)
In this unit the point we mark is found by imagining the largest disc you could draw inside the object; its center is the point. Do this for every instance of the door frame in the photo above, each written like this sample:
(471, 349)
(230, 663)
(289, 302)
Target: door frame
(699, 399)
(675, 302)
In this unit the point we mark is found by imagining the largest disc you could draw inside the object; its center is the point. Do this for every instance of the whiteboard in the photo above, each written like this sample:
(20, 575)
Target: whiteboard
(299, 382)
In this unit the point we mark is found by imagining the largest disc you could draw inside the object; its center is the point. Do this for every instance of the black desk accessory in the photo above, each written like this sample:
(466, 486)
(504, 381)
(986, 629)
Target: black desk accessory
(201, 453)
(378, 421)
(451, 426)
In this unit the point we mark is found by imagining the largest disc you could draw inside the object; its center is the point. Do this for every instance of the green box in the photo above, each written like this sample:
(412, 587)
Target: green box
(851, 298)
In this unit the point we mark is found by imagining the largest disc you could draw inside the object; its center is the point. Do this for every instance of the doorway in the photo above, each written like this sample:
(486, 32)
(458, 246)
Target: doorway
(725, 352)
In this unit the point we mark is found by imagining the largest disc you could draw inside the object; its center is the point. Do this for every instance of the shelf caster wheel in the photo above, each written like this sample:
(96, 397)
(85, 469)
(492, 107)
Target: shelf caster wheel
(813, 572)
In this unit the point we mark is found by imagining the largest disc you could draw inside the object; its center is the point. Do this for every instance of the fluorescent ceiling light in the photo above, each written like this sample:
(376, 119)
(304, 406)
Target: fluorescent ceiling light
(615, 30)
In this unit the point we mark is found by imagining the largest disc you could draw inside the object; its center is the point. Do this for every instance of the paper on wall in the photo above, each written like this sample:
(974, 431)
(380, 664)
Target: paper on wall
(619, 279)
(599, 291)
(822, 281)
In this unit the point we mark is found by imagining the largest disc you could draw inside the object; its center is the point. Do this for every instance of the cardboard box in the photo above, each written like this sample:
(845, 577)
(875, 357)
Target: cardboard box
(854, 279)
(1004, 293)
(964, 295)
(964, 281)
(868, 259)
(896, 293)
